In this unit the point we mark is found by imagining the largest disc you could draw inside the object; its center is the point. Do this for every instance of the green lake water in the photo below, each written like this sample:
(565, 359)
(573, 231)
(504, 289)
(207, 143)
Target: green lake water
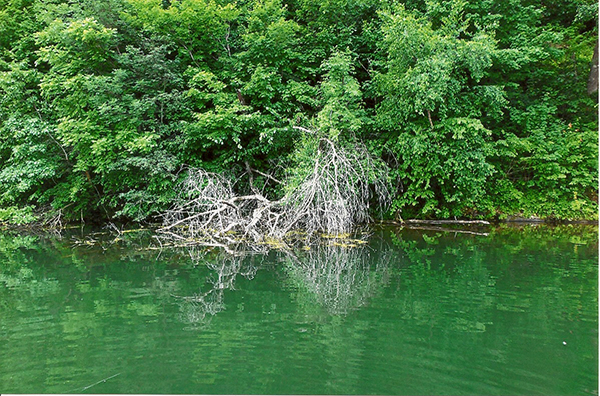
(491, 311)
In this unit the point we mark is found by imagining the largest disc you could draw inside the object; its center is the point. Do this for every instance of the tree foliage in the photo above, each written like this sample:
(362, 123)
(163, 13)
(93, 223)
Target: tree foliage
(472, 109)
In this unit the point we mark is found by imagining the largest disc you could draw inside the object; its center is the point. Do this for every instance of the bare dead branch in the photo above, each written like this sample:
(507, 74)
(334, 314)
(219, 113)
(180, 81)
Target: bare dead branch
(305, 130)
(333, 198)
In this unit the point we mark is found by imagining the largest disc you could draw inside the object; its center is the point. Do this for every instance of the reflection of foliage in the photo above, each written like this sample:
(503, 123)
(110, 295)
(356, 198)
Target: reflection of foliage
(447, 297)
(443, 270)
(339, 278)
(18, 268)
(525, 239)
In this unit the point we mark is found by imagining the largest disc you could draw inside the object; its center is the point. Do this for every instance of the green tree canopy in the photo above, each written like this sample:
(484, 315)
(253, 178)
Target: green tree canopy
(474, 109)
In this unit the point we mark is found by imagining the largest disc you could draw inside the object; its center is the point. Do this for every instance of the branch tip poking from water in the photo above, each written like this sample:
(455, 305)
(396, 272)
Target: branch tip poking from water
(94, 384)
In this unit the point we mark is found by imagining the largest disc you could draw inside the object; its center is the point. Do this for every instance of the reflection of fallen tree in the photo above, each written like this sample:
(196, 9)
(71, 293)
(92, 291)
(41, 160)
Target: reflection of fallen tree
(332, 198)
(340, 278)
(199, 309)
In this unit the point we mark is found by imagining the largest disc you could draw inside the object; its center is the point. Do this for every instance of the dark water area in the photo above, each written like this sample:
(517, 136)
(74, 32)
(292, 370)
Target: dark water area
(495, 311)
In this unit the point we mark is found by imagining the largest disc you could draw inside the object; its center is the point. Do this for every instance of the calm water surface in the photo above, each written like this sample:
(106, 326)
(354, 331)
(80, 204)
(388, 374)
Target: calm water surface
(509, 310)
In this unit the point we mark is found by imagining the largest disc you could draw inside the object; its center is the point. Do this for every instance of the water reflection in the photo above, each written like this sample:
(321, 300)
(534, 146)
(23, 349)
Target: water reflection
(338, 277)
(199, 308)
(412, 312)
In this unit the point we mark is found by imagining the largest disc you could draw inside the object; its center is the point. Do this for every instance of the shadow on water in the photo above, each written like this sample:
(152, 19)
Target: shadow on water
(500, 310)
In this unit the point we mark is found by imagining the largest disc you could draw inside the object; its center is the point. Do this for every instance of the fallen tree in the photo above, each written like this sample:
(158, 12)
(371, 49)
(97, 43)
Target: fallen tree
(436, 222)
(333, 197)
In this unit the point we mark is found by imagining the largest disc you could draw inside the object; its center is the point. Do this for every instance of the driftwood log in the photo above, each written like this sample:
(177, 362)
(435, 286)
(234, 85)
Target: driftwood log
(443, 229)
(438, 222)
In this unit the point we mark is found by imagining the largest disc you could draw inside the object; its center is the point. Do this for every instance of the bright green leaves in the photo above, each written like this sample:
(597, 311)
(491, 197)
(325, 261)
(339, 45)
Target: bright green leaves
(443, 170)
(268, 62)
(220, 121)
(19, 90)
(341, 112)
(264, 88)
(433, 98)
(199, 29)
(433, 72)
(32, 158)
(555, 168)
(478, 107)
(76, 46)
(330, 24)
(269, 37)
(110, 108)
(75, 53)
(206, 91)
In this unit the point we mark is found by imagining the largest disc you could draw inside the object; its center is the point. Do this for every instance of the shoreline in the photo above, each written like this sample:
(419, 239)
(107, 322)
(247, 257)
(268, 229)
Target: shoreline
(119, 228)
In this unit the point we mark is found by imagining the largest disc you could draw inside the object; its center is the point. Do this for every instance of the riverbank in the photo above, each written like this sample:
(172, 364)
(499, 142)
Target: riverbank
(39, 225)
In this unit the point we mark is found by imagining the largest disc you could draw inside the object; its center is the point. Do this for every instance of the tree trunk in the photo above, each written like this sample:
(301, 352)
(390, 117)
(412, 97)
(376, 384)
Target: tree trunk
(592, 85)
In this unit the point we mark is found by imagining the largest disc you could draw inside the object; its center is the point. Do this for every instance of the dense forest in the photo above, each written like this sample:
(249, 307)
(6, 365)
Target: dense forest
(469, 109)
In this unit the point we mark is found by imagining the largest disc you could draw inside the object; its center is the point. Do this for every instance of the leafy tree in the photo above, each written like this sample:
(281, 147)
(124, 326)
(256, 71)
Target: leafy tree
(478, 108)
(433, 98)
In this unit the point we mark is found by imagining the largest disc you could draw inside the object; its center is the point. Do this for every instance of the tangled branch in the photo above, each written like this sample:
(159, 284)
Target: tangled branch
(334, 197)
